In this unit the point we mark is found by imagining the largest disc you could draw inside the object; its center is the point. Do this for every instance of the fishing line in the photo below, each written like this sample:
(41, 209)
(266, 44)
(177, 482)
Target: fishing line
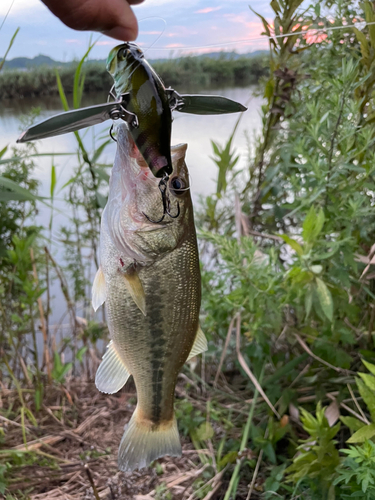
(153, 43)
(160, 34)
(313, 31)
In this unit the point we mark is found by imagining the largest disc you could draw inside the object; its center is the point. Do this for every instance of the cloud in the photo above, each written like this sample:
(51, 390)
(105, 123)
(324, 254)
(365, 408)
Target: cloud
(226, 24)
(149, 33)
(111, 43)
(207, 10)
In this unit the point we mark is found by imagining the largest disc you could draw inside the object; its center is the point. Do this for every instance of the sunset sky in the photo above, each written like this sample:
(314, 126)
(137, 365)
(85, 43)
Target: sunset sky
(191, 24)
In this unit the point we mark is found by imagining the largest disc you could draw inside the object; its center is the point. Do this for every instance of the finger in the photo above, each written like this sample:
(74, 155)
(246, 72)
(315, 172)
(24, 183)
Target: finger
(112, 17)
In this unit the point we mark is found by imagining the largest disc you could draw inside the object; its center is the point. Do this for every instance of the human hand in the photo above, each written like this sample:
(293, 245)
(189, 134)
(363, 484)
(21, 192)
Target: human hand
(114, 18)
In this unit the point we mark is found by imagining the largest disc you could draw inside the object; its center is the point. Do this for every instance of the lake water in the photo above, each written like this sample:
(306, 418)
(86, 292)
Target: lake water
(197, 131)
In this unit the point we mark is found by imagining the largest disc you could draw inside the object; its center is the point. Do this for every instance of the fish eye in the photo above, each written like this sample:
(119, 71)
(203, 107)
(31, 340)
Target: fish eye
(123, 53)
(177, 186)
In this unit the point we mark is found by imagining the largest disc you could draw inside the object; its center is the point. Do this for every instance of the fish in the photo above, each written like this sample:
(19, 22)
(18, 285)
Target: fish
(149, 280)
(148, 100)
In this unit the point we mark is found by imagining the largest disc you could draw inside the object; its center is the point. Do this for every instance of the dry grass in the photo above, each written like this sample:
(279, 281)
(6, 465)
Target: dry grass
(78, 427)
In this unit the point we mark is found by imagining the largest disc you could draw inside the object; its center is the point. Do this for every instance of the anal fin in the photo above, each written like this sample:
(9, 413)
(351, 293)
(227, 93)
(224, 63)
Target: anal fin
(112, 373)
(135, 288)
(200, 344)
(99, 291)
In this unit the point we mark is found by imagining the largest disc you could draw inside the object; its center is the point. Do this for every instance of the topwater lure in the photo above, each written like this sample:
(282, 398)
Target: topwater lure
(142, 101)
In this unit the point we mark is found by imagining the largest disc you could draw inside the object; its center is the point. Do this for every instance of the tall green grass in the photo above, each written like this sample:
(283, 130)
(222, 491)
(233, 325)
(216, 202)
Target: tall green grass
(186, 71)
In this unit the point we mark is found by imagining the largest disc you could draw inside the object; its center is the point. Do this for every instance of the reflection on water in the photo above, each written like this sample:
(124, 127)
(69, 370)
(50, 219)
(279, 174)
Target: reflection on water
(195, 130)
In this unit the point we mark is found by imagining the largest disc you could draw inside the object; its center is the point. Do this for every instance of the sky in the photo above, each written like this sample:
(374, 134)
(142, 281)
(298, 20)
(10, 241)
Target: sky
(183, 27)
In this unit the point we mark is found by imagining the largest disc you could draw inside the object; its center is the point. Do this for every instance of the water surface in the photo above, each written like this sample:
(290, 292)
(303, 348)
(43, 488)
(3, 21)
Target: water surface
(195, 130)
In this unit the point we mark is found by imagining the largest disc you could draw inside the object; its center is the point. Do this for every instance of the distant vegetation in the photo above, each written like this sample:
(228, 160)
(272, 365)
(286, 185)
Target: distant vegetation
(185, 71)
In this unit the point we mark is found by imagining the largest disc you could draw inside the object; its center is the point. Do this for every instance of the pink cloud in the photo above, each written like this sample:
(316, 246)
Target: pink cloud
(207, 10)
(174, 45)
(183, 31)
(106, 42)
(149, 33)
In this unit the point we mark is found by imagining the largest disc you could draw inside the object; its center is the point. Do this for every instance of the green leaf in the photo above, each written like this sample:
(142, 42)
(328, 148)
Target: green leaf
(79, 78)
(9, 47)
(364, 433)
(13, 186)
(81, 352)
(12, 196)
(100, 150)
(308, 301)
(361, 37)
(368, 397)
(352, 423)
(38, 399)
(325, 298)
(53, 180)
(369, 380)
(293, 244)
(204, 431)
(3, 151)
(312, 225)
(101, 173)
(229, 458)
(64, 100)
(369, 366)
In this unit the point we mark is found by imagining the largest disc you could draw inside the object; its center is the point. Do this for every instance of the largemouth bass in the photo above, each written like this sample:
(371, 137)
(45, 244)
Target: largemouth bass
(148, 101)
(149, 279)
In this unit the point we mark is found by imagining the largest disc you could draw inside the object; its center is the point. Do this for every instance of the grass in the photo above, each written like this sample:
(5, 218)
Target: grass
(184, 72)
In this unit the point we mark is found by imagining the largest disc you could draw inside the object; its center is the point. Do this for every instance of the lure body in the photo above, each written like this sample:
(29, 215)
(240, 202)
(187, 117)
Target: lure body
(147, 99)
(143, 102)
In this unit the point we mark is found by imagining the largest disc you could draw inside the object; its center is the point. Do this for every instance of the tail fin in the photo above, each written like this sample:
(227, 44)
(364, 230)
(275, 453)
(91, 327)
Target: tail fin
(142, 443)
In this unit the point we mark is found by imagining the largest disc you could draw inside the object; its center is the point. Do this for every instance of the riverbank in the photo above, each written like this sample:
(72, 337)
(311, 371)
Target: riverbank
(186, 71)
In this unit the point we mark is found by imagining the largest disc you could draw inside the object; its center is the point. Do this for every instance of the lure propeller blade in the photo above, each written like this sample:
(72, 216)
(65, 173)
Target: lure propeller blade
(71, 121)
(208, 105)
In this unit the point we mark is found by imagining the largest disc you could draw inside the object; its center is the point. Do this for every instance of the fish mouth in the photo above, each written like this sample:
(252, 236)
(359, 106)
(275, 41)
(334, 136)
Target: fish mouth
(141, 189)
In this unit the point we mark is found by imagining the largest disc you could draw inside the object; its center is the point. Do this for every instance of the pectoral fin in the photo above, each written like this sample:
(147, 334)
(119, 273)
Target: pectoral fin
(112, 373)
(200, 344)
(98, 289)
(135, 288)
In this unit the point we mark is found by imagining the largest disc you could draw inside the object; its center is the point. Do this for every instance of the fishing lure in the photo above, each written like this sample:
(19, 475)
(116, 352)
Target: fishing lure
(142, 101)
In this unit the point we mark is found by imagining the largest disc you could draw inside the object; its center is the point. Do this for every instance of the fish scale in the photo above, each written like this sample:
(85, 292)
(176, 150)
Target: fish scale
(163, 332)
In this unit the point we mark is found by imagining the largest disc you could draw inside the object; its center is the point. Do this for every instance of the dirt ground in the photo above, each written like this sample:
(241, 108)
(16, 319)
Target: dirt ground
(74, 451)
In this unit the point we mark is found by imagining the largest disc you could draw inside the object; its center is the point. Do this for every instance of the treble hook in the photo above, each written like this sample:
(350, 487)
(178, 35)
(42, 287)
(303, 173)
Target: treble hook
(166, 202)
(111, 135)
